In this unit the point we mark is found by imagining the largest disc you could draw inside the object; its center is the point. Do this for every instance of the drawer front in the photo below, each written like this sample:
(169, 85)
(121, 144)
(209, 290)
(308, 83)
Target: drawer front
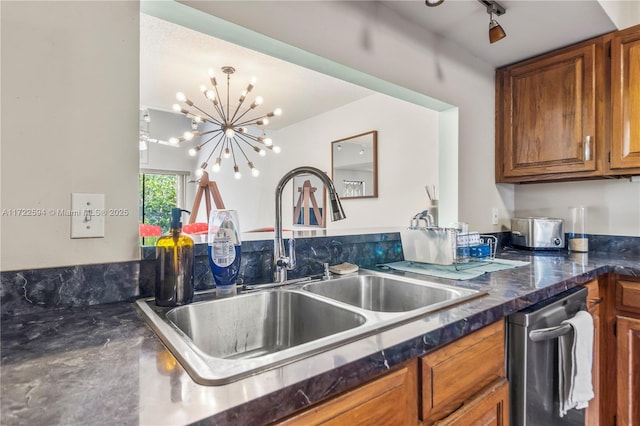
(628, 295)
(458, 371)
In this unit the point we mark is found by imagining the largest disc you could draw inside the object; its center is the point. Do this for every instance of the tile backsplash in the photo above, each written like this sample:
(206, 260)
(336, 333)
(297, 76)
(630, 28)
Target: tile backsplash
(27, 291)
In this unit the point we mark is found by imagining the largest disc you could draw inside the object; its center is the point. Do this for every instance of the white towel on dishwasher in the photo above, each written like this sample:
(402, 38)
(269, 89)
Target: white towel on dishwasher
(575, 357)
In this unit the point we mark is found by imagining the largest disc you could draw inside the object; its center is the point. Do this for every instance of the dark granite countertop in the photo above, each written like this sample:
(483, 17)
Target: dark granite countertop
(102, 365)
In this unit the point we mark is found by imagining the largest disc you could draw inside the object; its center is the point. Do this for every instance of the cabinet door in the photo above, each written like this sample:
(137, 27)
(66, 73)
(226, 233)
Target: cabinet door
(490, 407)
(547, 116)
(389, 400)
(625, 100)
(628, 347)
(455, 373)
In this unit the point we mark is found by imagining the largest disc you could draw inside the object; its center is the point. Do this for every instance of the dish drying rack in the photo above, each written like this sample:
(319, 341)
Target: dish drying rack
(425, 243)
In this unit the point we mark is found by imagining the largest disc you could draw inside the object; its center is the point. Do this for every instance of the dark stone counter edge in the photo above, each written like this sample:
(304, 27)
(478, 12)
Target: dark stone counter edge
(291, 399)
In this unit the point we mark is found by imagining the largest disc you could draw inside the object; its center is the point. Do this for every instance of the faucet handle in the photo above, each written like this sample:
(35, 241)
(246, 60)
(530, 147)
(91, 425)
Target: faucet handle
(327, 273)
(291, 264)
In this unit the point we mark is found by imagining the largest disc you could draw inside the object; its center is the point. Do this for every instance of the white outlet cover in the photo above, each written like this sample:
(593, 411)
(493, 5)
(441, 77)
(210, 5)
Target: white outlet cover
(87, 215)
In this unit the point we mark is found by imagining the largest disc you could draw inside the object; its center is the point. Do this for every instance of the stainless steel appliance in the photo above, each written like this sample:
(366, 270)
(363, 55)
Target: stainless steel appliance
(537, 233)
(532, 362)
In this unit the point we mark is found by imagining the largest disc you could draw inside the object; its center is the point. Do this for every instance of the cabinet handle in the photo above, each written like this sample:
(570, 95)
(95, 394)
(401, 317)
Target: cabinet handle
(587, 148)
(596, 301)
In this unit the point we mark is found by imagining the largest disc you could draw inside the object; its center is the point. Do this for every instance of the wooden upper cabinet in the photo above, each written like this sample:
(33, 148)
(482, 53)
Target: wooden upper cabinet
(547, 110)
(625, 101)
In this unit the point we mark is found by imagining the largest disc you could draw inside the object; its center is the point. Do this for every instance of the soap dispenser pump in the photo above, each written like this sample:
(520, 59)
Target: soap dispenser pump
(174, 265)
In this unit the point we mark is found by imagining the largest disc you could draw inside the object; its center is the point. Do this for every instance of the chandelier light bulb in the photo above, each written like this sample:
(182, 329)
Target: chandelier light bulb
(230, 133)
(199, 172)
(276, 149)
(236, 172)
(216, 167)
(253, 81)
(210, 94)
(194, 151)
(227, 153)
(180, 97)
(268, 142)
(262, 122)
(262, 152)
(212, 77)
(173, 141)
(254, 172)
(203, 88)
(176, 107)
(187, 135)
(277, 112)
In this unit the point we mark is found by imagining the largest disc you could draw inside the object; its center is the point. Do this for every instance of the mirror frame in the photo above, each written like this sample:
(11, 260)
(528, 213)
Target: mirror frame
(374, 149)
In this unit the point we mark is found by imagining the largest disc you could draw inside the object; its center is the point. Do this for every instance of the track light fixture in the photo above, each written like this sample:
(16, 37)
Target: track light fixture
(496, 32)
(433, 3)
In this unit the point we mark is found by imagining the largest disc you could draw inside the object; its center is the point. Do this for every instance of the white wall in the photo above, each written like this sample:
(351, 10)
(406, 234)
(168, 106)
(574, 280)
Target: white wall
(613, 206)
(400, 52)
(407, 161)
(407, 157)
(69, 124)
(623, 13)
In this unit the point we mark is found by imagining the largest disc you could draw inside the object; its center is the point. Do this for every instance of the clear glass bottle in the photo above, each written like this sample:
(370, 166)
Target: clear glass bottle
(224, 248)
(578, 241)
(174, 265)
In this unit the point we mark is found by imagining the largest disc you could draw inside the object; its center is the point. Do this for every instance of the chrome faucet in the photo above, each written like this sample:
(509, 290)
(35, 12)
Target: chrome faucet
(281, 262)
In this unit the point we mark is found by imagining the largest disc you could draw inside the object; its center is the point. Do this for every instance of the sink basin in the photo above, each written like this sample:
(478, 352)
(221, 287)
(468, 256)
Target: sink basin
(256, 324)
(384, 294)
(221, 340)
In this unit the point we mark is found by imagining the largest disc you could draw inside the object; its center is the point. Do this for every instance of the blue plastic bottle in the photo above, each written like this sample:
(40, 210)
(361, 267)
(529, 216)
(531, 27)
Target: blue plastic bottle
(224, 247)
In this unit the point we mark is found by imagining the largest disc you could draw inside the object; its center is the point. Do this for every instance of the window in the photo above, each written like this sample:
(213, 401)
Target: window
(160, 190)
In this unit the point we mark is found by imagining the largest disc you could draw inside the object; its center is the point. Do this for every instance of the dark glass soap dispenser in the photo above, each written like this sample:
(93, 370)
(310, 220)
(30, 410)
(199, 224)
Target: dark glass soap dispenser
(174, 265)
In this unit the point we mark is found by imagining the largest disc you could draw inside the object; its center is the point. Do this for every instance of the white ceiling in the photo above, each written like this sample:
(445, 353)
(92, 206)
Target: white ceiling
(532, 27)
(175, 58)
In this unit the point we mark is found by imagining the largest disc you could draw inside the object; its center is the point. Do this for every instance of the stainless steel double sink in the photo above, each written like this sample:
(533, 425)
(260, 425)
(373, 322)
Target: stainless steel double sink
(222, 340)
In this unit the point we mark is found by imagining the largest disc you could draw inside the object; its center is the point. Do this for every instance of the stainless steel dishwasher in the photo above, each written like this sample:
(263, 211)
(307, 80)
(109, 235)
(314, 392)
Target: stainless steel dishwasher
(532, 362)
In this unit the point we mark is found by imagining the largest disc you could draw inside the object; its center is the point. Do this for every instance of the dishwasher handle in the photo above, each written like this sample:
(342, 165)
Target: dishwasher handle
(550, 333)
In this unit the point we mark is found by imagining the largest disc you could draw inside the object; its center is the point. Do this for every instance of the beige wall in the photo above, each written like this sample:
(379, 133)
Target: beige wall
(70, 114)
(69, 124)
(613, 206)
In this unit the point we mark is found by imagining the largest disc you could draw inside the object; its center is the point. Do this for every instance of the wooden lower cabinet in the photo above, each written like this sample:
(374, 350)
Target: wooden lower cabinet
(390, 400)
(489, 407)
(628, 388)
(462, 383)
(455, 374)
(627, 296)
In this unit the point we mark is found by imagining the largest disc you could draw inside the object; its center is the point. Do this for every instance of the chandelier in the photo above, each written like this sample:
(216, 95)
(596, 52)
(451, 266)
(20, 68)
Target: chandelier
(229, 131)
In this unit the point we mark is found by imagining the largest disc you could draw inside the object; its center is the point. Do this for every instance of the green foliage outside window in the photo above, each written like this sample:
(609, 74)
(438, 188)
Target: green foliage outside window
(158, 194)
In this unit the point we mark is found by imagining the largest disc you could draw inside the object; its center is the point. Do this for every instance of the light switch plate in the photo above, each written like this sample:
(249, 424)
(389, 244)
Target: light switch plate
(87, 215)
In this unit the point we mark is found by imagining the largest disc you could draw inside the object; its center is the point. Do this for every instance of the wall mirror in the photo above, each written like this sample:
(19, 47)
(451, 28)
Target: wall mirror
(354, 165)
(340, 110)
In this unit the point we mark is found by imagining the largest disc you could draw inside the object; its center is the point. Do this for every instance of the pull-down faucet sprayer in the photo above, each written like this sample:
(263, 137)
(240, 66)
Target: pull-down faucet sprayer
(282, 262)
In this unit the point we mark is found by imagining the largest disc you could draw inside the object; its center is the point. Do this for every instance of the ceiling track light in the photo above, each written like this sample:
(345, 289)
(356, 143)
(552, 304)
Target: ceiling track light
(496, 32)
(433, 3)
